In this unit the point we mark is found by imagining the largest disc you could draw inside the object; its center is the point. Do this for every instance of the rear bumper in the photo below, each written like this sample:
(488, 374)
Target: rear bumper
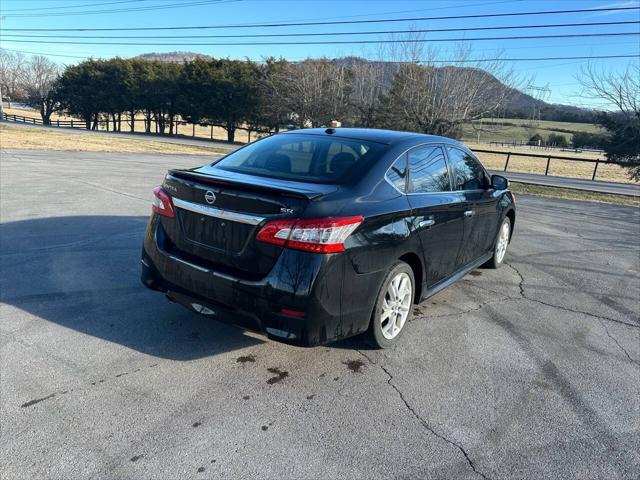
(298, 282)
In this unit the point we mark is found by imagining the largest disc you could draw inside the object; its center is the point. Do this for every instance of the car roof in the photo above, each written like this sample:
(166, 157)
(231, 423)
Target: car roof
(387, 137)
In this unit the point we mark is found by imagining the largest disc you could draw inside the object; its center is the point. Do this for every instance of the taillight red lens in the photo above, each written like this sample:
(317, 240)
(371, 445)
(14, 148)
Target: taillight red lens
(162, 203)
(318, 235)
(276, 231)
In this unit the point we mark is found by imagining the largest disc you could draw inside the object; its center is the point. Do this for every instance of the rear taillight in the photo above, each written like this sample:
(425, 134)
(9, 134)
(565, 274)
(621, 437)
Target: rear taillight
(318, 235)
(162, 204)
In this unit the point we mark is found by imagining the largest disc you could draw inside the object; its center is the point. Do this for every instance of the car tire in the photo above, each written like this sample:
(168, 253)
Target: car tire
(500, 244)
(394, 306)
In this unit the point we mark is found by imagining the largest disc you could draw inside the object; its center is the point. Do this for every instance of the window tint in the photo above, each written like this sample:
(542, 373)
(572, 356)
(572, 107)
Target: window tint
(428, 170)
(397, 174)
(468, 173)
(302, 157)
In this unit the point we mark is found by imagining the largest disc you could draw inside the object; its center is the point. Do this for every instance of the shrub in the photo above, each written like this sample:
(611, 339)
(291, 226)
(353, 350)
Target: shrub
(557, 140)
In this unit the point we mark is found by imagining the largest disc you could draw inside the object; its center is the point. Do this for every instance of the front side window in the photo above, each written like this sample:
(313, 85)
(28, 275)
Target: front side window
(397, 174)
(468, 173)
(306, 158)
(428, 170)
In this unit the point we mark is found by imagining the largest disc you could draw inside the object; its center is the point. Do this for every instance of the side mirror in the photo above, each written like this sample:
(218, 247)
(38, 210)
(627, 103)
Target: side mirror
(498, 182)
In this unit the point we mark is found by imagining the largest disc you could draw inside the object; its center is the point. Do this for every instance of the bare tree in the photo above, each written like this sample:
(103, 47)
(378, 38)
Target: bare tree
(439, 99)
(40, 77)
(617, 90)
(12, 76)
(619, 93)
(275, 105)
(367, 87)
(317, 91)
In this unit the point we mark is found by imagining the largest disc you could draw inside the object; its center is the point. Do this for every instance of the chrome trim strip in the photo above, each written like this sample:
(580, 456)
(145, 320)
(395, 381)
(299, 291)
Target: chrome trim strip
(217, 213)
(192, 265)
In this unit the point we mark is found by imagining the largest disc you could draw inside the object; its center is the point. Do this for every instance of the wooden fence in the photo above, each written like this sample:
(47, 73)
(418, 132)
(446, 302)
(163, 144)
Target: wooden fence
(508, 155)
(549, 158)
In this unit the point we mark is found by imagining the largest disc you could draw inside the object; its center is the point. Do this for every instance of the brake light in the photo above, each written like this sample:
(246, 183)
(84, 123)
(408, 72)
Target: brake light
(318, 235)
(162, 203)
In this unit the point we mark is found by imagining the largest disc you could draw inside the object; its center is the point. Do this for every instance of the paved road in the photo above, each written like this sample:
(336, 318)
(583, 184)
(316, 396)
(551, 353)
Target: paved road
(531, 371)
(575, 183)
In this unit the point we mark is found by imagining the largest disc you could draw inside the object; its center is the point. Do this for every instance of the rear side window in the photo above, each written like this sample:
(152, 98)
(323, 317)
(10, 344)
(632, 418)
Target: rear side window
(397, 174)
(428, 170)
(304, 158)
(468, 172)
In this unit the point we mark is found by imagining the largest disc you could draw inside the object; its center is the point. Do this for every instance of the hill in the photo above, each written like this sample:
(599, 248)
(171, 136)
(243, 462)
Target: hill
(178, 57)
(519, 105)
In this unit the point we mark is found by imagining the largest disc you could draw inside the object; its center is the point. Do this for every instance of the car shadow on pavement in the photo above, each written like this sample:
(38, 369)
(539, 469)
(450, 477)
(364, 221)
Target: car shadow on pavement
(83, 273)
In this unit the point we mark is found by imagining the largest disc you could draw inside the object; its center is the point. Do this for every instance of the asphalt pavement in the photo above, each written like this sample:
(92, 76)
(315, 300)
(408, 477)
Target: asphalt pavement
(629, 189)
(529, 371)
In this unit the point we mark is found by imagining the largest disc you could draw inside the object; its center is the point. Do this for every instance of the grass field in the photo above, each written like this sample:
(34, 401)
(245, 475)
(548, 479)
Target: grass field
(187, 130)
(612, 173)
(45, 139)
(521, 130)
(560, 168)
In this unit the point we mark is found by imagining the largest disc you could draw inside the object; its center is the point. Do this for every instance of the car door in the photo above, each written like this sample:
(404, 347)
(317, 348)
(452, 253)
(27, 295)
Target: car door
(480, 203)
(437, 211)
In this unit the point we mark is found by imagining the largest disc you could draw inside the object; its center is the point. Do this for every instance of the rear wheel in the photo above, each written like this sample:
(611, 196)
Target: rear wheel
(501, 244)
(393, 306)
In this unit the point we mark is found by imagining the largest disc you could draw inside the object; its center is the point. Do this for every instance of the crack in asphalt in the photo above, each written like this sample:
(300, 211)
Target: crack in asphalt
(598, 317)
(422, 421)
(616, 342)
(480, 306)
(561, 307)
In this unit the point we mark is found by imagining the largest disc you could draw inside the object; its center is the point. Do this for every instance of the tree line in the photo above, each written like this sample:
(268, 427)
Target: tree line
(403, 94)
(262, 97)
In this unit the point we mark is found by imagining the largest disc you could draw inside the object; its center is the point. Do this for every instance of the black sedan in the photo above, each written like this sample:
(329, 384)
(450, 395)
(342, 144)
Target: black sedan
(315, 235)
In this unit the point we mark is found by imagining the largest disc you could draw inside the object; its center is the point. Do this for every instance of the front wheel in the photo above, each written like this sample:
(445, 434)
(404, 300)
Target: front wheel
(393, 306)
(501, 244)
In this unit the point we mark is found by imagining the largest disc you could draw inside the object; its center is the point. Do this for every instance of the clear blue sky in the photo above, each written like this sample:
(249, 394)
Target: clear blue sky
(558, 75)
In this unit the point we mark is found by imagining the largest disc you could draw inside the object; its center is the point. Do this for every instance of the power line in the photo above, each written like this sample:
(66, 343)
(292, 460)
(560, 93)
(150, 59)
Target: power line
(58, 7)
(342, 42)
(295, 59)
(476, 60)
(46, 54)
(315, 34)
(337, 22)
(192, 3)
(530, 59)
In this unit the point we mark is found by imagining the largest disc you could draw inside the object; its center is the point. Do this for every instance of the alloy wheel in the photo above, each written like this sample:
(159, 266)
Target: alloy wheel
(503, 241)
(396, 305)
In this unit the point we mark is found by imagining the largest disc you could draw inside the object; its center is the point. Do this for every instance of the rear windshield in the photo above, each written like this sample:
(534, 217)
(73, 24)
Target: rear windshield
(303, 158)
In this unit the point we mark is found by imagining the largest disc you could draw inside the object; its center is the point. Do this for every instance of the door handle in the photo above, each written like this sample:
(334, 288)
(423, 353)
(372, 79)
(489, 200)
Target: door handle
(469, 213)
(427, 222)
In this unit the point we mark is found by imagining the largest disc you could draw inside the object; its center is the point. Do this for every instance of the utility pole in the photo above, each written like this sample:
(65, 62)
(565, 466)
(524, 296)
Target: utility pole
(540, 94)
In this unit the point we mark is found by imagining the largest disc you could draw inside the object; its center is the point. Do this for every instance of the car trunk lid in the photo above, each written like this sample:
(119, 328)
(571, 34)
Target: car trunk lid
(219, 213)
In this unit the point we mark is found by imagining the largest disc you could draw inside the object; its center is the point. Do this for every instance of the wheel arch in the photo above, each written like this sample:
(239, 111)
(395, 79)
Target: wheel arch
(414, 261)
(511, 214)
